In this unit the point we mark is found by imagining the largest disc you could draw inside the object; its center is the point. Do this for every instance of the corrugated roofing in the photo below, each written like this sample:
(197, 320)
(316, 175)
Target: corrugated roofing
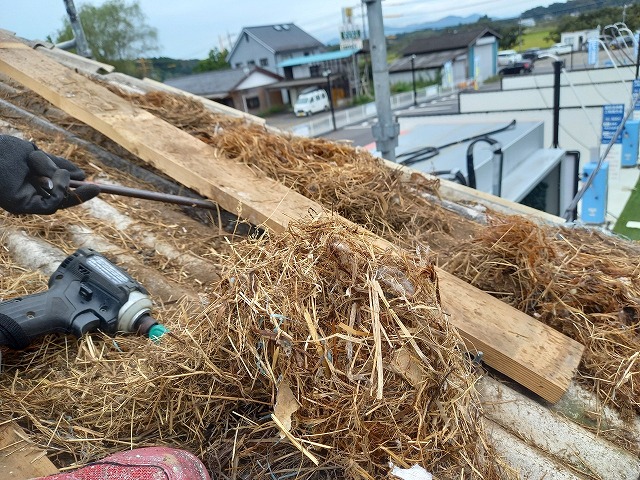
(320, 57)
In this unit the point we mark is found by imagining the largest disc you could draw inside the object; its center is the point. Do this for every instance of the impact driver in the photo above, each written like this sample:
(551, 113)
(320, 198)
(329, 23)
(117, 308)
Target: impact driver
(86, 293)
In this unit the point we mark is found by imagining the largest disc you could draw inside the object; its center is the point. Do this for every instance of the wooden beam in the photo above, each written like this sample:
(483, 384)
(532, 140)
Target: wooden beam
(19, 460)
(529, 352)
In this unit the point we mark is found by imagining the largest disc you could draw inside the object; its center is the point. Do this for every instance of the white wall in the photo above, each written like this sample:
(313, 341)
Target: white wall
(530, 97)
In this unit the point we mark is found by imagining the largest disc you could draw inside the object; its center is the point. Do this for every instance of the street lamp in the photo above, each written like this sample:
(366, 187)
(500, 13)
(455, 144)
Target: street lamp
(413, 79)
(327, 73)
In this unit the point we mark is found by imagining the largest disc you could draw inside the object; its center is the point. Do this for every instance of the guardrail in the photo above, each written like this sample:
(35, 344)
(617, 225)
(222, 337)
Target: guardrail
(350, 116)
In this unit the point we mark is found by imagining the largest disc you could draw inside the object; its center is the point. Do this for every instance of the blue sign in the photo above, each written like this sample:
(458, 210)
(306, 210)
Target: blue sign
(612, 116)
(635, 91)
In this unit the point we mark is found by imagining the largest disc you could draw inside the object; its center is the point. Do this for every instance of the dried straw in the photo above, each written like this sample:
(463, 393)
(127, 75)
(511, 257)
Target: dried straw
(580, 281)
(344, 343)
(376, 371)
(595, 302)
(346, 180)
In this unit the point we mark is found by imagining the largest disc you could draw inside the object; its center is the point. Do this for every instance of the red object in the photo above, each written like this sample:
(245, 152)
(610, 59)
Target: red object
(151, 463)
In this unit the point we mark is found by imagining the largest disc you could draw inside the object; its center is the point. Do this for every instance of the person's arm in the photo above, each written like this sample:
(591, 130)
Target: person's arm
(24, 168)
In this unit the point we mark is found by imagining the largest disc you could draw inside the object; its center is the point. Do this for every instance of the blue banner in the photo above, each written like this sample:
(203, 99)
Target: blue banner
(612, 116)
(593, 52)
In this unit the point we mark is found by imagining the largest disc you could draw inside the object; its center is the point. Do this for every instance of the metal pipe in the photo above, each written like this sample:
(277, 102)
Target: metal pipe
(147, 195)
(557, 66)
(80, 41)
(413, 80)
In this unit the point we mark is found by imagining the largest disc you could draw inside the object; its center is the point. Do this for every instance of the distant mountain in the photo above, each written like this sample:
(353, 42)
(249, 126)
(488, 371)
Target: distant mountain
(448, 21)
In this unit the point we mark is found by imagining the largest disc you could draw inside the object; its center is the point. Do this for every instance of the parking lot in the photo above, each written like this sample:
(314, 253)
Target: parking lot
(580, 60)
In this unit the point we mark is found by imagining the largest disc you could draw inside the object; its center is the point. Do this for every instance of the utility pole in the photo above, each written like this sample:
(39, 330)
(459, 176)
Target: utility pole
(385, 131)
(79, 41)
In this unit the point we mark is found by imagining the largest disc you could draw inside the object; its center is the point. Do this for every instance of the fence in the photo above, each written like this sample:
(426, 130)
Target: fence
(353, 115)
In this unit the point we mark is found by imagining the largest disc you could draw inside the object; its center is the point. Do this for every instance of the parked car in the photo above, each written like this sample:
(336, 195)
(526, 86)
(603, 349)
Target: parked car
(560, 49)
(531, 54)
(310, 102)
(518, 68)
(508, 57)
(623, 41)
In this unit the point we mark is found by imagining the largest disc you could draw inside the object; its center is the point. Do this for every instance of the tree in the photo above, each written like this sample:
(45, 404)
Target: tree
(115, 31)
(215, 61)
(510, 33)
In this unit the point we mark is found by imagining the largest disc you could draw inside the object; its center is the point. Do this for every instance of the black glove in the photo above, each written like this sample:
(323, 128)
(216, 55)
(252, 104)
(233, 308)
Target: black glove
(24, 174)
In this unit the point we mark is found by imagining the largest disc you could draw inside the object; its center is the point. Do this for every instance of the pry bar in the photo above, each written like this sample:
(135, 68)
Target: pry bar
(148, 195)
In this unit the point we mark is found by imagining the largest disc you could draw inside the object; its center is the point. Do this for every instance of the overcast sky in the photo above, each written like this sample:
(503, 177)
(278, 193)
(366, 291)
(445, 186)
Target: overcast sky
(190, 28)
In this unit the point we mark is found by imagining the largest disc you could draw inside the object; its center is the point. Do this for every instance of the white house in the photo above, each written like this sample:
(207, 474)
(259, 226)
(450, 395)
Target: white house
(579, 39)
(269, 45)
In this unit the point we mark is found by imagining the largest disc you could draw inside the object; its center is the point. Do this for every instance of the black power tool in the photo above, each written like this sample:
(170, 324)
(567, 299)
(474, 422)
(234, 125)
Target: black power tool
(86, 293)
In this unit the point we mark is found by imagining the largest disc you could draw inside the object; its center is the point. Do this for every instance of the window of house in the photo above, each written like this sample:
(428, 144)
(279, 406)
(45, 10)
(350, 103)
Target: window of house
(251, 63)
(253, 103)
(314, 71)
(264, 62)
(239, 65)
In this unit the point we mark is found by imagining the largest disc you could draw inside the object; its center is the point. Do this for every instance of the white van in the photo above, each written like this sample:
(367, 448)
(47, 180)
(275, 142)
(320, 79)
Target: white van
(310, 102)
(508, 57)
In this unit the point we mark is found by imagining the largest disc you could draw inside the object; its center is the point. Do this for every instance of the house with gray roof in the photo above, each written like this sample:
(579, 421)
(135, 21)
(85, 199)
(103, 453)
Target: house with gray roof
(459, 57)
(269, 45)
(244, 89)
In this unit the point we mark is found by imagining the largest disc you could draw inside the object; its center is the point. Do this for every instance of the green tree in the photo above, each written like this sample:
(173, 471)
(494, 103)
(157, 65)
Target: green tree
(215, 61)
(510, 33)
(116, 31)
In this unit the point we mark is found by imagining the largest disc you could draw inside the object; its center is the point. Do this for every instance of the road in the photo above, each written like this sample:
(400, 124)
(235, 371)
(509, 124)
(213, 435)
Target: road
(360, 134)
(579, 60)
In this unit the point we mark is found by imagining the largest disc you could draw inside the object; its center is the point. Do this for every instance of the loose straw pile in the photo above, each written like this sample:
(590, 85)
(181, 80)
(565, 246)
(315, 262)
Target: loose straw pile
(350, 342)
(321, 356)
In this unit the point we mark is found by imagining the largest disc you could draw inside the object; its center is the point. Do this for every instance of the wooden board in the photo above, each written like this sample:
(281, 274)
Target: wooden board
(18, 459)
(532, 354)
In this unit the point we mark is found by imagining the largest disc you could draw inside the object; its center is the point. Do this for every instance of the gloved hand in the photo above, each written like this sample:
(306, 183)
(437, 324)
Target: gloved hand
(22, 166)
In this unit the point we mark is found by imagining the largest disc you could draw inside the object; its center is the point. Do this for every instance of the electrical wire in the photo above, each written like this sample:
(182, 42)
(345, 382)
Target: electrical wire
(425, 153)
(574, 203)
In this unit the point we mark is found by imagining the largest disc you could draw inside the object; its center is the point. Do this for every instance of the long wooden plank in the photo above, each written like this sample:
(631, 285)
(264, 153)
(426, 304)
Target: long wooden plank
(20, 460)
(534, 355)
